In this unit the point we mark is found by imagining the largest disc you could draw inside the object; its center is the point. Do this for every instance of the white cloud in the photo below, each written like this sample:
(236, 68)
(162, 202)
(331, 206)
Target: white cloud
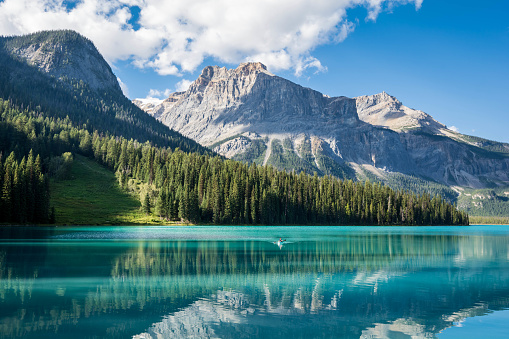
(124, 87)
(174, 37)
(454, 129)
(155, 94)
(183, 85)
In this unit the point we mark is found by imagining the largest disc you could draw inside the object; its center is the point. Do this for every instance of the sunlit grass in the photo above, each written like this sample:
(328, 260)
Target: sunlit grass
(93, 197)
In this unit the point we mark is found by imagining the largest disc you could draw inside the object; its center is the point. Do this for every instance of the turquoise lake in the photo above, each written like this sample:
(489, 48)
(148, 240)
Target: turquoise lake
(235, 282)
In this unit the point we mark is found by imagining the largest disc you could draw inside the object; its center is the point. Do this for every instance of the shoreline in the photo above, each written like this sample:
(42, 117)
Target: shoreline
(190, 224)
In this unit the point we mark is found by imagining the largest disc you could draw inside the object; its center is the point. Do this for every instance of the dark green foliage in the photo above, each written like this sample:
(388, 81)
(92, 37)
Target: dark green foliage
(255, 153)
(60, 167)
(399, 181)
(283, 156)
(485, 202)
(201, 188)
(146, 205)
(107, 112)
(25, 191)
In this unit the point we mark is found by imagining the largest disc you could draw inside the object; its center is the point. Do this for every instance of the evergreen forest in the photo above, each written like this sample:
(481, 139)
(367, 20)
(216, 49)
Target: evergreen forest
(44, 120)
(106, 111)
(198, 188)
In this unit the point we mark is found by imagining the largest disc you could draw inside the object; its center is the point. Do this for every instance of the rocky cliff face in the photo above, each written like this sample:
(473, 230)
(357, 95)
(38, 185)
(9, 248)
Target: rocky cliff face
(249, 114)
(65, 55)
(387, 111)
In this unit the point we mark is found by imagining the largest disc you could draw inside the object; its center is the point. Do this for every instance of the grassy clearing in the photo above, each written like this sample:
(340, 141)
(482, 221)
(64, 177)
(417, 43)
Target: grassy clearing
(92, 196)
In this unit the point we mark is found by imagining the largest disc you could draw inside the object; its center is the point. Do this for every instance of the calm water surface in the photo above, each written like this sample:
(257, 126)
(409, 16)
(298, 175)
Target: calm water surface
(234, 282)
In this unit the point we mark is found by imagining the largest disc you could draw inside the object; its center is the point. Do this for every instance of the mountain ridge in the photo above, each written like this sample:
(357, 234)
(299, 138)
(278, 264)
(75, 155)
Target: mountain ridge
(173, 176)
(62, 74)
(64, 55)
(247, 108)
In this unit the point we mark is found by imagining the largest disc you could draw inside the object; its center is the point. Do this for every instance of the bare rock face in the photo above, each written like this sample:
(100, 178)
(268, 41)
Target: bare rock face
(147, 105)
(65, 55)
(232, 147)
(387, 111)
(222, 103)
(293, 127)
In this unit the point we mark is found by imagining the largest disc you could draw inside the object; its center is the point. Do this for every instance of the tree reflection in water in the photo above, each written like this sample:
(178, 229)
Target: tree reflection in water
(356, 285)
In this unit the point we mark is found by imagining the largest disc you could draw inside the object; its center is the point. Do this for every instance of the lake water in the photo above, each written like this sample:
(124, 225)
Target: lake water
(234, 282)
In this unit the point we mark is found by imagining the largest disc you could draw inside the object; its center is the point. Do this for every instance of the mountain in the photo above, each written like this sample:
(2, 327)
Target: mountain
(49, 113)
(252, 115)
(64, 55)
(62, 75)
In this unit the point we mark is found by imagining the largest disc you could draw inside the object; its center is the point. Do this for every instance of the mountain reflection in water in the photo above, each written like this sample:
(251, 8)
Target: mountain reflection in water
(234, 282)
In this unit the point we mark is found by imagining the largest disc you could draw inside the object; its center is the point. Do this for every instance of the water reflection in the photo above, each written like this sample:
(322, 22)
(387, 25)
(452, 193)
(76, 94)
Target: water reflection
(356, 285)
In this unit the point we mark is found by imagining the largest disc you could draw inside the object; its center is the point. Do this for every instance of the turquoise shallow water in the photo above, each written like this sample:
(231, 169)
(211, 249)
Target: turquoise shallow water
(235, 282)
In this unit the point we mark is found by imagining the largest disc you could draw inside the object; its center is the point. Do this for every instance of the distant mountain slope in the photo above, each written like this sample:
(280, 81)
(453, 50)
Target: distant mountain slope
(62, 74)
(249, 114)
(64, 55)
(48, 115)
(387, 111)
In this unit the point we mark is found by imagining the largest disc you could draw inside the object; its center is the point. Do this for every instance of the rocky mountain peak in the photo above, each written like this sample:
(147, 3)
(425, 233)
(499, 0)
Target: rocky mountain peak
(365, 101)
(385, 110)
(216, 73)
(213, 72)
(251, 67)
(384, 96)
(65, 55)
(249, 114)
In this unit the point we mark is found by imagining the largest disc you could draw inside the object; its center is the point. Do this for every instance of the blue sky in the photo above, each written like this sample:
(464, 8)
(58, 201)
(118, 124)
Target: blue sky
(447, 58)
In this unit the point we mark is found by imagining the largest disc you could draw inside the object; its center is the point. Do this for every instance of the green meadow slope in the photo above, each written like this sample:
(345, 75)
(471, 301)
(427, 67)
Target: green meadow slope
(92, 196)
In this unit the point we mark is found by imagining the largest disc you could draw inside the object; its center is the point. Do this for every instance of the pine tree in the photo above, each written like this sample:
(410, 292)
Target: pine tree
(183, 212)
(7, 195)
(161, 208)
(146, 206)
(254, 205)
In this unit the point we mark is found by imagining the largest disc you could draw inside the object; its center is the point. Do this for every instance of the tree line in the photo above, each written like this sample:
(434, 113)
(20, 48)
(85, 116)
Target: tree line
(25, 190)
(209, 189)
(106, 111)
(200, 188)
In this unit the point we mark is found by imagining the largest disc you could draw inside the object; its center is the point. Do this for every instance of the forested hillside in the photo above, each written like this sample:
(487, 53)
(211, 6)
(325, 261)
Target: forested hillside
(44, 105)
(202, 188)
(485, 202)
(103, 109)
(25, 190)
(249, 114)
(46, 116)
